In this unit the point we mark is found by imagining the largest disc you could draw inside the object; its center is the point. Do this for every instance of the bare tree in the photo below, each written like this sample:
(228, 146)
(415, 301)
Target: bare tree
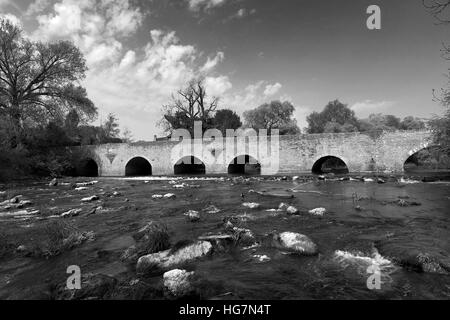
(191, 104)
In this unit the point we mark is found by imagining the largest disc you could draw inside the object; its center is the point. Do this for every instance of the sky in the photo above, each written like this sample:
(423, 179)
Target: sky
(249, 52)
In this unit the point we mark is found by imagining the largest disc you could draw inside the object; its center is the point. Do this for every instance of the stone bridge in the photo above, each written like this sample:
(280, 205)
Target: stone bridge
(357, 152)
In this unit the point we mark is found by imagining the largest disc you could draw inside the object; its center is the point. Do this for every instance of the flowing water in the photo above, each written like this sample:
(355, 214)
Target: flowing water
(400, 228)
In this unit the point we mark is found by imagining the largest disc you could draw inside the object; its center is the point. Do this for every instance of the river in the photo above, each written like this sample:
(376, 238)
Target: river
(400, 228)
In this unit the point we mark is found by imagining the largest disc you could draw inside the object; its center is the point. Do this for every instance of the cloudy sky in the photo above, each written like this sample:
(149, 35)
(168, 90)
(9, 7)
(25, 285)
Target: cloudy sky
(249, 51)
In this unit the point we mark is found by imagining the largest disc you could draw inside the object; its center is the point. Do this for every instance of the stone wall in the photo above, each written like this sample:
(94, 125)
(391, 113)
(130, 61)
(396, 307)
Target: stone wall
(293, 154)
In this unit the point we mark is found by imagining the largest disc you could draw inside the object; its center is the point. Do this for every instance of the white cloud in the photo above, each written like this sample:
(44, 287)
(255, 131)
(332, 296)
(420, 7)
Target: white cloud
(251, 97)
(36, 7)
(197, 5)
(97, 27)
(300, 114)
(217, 86)
(212, 63)
(134, 82)
(272, 89)
(364, 108)
(240, 14)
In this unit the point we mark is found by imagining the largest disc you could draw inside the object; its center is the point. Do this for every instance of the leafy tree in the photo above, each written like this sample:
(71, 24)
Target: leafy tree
(41, 102)
(343, 119)
(440, 126)
(111, 126)
(412, 123)
(381, 122)
(89, 135)
(226, 119)
(273, 115)
(127, 136)
(191, 104)
(334, 127)
(39, 81)
(72, 121)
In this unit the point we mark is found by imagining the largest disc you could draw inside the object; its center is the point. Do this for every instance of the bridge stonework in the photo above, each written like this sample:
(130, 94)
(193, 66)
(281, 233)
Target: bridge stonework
(361, 152)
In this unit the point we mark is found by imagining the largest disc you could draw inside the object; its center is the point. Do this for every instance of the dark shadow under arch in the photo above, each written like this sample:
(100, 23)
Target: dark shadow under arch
(430, 159)
(87, 168)
(330, 164)
(189, 165)
(138, 166)
(244, 165)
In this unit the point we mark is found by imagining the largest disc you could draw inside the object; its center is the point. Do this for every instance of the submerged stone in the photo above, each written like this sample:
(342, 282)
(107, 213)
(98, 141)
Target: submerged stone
(177, 282)
(295, 242)
(318, 211)
(167, 259)
(89, 199)
(251, 205)
(192, 215)
(291, 210)
(53, 183)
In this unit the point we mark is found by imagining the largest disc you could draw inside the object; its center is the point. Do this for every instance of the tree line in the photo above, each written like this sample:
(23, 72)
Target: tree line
(193, 104)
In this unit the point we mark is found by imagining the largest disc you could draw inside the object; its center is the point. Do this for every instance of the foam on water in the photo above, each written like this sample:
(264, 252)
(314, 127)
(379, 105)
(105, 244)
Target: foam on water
(362, 263)
(408, 181)
(376, 259)
(168, 178)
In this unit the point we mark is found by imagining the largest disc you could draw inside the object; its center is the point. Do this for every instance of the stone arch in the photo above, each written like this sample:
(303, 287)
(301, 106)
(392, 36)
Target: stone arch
(244, 165)
(189, 165)
(87, 167)
(330, 163)
(417, 149)
(433, 160)
(138, 166)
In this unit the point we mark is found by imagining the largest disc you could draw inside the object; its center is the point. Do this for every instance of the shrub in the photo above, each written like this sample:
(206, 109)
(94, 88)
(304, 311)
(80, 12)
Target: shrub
(154, 237)
(59, 236)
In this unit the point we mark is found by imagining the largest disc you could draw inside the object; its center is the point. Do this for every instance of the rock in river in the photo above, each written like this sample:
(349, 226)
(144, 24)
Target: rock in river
(414, 257)
(167, 259)
(212, 209)
(192, 215)
(178, 282)
(251, 205)
(318, 211)
(295, 242)
(71, 213)
(292, 210)
(89, 199)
